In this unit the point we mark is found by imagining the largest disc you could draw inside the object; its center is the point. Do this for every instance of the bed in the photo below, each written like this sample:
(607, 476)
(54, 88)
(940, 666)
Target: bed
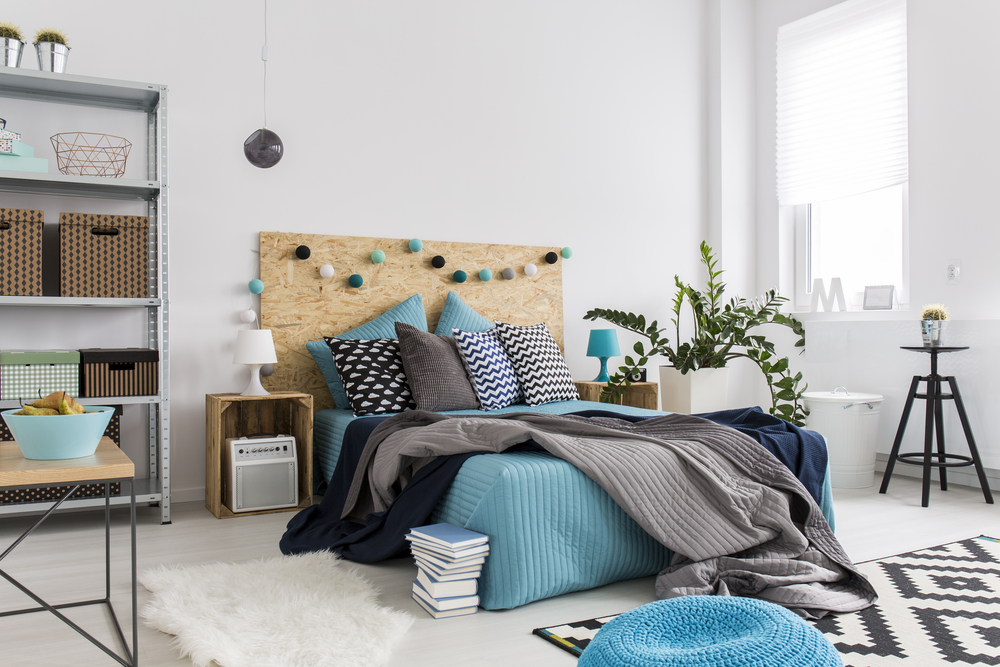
(552, 529)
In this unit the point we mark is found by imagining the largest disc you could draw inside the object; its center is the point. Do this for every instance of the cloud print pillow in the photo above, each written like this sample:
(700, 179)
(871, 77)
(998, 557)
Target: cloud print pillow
(373, 375)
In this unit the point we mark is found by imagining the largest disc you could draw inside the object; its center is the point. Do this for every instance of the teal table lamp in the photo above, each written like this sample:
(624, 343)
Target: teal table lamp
(603, 344)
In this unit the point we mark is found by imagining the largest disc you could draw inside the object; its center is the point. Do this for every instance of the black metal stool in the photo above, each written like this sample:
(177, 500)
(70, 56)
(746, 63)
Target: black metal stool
(934, 397)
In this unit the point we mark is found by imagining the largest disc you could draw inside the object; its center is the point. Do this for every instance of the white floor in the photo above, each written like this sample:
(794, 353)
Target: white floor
(64, 560)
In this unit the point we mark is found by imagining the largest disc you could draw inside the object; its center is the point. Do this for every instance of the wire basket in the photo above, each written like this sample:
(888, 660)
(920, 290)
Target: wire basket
(90, 154)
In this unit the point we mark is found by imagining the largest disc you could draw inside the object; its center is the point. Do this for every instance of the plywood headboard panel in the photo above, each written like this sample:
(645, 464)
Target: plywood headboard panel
(299, 306)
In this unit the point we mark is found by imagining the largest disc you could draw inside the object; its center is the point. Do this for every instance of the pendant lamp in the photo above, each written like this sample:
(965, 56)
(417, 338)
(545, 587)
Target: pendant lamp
(263, 148)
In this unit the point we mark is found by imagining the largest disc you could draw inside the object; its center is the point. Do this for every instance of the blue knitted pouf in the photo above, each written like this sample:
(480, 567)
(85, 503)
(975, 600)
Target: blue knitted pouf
(709, 631)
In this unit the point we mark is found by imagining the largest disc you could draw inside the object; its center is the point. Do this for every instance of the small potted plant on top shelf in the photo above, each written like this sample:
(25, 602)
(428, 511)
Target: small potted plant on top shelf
(13, 44)
(52, 49)
(933, 319)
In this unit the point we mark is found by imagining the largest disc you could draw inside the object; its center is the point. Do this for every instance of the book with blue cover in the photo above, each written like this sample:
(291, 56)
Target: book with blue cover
(436, 613)
(444, 604)
(449, 536)
(448, 554)
(440, 588)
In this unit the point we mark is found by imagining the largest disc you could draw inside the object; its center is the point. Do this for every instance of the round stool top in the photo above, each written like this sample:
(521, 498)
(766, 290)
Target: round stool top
(709, 630)
(939, 348)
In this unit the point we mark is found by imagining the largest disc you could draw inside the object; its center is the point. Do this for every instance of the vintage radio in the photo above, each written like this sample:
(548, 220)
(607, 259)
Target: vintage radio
(261, 473)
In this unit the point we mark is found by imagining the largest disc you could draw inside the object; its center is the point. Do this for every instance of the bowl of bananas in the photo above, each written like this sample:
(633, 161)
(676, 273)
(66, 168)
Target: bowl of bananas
(57, 427)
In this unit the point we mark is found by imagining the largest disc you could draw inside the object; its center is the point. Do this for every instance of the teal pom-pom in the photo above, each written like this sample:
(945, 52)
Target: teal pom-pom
(486, 275)
(567, 252)
(378, 256)
(460, 276)
(416, 245)
(255, 286)
(355, 280)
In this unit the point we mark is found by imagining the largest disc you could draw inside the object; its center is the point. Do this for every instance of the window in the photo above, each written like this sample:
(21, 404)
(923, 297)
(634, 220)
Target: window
(842, 162)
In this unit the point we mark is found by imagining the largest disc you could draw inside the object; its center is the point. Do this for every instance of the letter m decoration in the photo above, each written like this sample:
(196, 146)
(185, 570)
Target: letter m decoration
(836, 292)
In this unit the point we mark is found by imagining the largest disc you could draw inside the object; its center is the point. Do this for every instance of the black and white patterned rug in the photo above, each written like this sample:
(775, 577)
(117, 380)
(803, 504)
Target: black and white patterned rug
(937, 606)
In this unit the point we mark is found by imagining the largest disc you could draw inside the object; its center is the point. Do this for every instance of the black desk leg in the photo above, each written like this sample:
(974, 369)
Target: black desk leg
(925, 496)
(942, 470)
(973, 451)
(891, 463)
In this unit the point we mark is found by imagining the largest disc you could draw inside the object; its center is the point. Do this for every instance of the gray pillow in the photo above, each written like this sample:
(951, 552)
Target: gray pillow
(435, 370)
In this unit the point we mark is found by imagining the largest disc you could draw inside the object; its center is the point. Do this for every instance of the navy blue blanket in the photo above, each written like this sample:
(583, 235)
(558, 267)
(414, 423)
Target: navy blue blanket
(320, 527)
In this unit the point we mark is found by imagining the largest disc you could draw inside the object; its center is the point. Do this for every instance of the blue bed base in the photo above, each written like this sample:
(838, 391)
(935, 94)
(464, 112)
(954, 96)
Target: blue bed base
(552, 529)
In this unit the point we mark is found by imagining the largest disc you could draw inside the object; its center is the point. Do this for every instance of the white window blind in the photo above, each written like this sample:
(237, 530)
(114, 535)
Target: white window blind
(842, 127)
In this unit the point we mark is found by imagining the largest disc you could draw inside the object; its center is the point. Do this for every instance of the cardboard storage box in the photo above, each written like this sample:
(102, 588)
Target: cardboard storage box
(21, 252)
(130, 371)
(104, 256)
(51, 493)
(33, 374)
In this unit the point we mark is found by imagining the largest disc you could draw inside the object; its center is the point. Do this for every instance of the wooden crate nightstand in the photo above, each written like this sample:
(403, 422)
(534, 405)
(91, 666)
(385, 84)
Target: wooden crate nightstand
(639, 395)
(234, 416)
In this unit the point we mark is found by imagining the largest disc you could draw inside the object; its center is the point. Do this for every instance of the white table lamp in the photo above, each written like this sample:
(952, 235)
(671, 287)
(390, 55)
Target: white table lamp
(254, 347)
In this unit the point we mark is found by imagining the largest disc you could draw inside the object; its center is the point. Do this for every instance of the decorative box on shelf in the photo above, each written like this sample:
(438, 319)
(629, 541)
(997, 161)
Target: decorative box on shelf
(34, 374)
(128, 371)
(638, 395)
(104, 255)
(21, 251)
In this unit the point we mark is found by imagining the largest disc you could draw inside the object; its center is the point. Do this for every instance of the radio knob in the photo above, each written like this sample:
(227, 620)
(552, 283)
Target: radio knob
(241, 451)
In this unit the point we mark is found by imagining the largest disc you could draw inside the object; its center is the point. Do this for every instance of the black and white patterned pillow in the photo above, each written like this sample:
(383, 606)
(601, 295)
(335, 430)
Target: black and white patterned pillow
(372, 372)
(538, 363)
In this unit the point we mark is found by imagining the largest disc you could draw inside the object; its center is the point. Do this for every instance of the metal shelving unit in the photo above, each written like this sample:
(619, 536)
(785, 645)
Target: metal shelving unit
(150, 99)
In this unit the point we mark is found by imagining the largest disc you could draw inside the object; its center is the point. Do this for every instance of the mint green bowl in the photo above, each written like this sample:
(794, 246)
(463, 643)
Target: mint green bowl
(51, 437)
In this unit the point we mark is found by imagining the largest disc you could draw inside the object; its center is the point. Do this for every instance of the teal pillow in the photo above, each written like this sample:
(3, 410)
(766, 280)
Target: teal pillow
(409, 312)
(458, 315)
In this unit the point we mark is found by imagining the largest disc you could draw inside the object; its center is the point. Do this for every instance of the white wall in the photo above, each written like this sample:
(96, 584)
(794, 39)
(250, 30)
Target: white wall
(954, 90)
(573, 122)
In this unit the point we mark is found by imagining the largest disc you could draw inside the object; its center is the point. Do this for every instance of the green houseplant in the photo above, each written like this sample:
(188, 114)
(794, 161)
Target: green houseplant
(933, 319)
(723, 331)
(13, 44)
(53, 50)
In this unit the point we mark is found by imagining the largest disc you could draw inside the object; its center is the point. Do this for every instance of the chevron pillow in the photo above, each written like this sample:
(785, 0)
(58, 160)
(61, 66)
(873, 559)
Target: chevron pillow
(373, 375)
(492, 375)
(538, 363)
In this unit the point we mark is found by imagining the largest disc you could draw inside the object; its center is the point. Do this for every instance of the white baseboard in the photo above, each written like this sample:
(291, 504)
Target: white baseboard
(187, 495)
(961, 476)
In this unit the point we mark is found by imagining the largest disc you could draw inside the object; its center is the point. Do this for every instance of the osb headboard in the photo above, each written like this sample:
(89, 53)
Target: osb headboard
(299, 305)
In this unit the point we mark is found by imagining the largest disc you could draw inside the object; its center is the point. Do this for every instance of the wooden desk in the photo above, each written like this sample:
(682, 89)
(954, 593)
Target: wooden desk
(108, 464)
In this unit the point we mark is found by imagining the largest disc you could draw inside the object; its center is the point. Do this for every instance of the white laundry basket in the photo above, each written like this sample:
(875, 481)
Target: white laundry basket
(849, 422)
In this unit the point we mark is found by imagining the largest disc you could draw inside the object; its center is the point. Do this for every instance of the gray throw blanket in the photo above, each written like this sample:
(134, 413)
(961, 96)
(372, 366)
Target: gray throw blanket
(737, 518)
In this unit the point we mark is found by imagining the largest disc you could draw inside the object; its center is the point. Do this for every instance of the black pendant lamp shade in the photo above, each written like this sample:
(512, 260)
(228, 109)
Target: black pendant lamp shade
(263, 148)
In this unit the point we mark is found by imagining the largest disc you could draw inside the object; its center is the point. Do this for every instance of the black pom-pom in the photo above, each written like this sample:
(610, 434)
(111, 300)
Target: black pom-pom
(551, 258)
(303, 252)
(437, 262)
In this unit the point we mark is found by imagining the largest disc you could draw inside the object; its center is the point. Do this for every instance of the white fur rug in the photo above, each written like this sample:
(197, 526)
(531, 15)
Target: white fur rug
(309, 610)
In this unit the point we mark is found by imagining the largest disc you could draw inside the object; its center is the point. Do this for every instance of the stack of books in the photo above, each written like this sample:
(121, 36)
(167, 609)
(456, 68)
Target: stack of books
(449, 562)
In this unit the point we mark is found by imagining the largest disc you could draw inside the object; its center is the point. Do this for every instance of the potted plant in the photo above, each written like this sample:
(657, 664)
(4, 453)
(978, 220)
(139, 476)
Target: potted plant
(52, 49)
(933, 319)
(722, 332)
(13, 44)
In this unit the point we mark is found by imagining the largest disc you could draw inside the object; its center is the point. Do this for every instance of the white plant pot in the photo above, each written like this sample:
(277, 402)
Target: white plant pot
(703, 390)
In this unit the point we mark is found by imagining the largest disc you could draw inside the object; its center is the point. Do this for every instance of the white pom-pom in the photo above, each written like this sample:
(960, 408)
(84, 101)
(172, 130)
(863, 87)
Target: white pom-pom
(248, 315)
(326, 271)
(530, 269)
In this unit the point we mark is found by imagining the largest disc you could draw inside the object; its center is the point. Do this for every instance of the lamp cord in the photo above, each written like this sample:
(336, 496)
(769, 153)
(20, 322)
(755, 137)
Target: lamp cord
(264, 58)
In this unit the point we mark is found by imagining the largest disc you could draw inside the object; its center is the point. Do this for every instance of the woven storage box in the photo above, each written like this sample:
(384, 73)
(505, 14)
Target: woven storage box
(130, 371)
(21, 252)
(33, 374)
(104, 255)
(41, 494)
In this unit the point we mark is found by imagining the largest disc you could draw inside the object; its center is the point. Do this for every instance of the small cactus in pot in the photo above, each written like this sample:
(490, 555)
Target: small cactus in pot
(12, 42)
(933, 319)
(53, 50)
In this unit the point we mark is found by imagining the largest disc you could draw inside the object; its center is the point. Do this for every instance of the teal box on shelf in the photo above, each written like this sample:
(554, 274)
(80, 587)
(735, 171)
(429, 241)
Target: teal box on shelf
(37, 165)
(14, 147)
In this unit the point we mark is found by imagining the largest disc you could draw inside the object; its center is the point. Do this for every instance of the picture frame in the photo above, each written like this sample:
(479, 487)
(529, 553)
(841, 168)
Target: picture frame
(879, 297)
